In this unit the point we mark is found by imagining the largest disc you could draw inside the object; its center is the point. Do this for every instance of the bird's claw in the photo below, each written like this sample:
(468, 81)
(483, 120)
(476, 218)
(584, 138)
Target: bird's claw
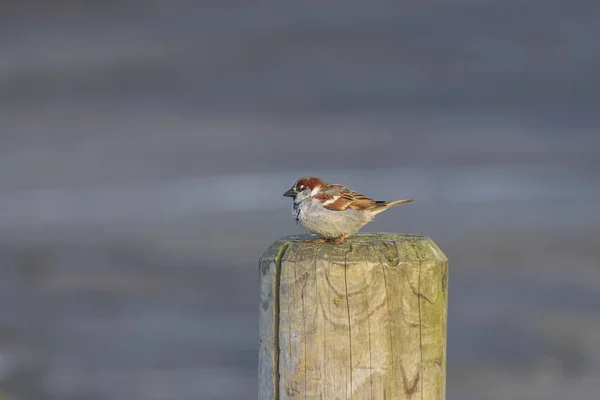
(339, 240)
(319, 240)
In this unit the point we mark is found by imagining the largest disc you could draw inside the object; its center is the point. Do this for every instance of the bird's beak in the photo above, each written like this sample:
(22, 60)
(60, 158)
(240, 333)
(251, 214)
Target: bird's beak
(290, 193)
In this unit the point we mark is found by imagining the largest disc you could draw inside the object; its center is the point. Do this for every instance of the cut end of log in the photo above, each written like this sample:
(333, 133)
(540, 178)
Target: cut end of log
(366, 238)
(409, 247)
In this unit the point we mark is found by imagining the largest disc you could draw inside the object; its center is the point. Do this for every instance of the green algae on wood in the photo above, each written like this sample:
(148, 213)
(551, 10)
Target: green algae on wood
(365, 319)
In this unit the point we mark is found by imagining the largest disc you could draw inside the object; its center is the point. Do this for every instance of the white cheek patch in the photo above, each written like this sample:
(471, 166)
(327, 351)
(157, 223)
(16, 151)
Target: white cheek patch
(315, 190)
(331, 201)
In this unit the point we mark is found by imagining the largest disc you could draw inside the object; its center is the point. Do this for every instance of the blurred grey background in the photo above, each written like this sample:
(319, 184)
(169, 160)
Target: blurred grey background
(145, 145)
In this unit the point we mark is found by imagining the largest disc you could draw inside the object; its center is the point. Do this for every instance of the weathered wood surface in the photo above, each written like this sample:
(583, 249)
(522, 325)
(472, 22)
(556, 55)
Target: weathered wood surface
(362, 320)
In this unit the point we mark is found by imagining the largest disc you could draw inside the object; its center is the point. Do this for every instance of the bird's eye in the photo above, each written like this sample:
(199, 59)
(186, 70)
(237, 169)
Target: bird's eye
(300, 188)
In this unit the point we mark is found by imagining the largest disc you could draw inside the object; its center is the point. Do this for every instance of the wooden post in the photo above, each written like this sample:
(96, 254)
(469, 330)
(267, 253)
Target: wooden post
(365, 319)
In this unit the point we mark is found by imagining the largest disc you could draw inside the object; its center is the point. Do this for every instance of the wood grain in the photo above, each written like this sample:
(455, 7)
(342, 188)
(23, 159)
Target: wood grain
(362, 320)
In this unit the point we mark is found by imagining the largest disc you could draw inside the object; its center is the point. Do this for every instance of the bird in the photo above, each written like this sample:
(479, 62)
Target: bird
(332, 211)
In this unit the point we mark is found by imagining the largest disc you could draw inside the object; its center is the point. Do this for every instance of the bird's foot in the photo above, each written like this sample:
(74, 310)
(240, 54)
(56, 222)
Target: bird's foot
(340, 239)
(319, 240)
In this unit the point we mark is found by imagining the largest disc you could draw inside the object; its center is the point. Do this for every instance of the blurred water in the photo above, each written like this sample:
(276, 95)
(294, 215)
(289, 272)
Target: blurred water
(144, 148)
(252, 192)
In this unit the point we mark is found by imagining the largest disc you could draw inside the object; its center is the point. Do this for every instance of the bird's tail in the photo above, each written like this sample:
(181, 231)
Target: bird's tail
(384, 205)
(397, 202)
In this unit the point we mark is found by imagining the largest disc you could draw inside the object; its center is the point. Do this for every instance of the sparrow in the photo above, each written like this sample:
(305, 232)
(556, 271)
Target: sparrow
(332, 211)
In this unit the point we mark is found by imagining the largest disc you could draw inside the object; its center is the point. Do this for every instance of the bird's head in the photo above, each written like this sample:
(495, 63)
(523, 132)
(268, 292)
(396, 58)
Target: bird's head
(305, 187)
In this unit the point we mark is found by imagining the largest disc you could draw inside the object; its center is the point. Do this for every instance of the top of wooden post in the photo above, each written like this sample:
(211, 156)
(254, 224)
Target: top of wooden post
(395, 247)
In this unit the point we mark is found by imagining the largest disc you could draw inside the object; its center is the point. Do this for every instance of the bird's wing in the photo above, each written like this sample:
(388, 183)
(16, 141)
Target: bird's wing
(340, 198)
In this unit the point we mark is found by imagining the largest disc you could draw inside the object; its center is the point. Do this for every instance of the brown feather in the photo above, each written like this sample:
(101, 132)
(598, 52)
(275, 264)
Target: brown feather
(335, 186)
(309, 182)
(362, 202)
(346, 199)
